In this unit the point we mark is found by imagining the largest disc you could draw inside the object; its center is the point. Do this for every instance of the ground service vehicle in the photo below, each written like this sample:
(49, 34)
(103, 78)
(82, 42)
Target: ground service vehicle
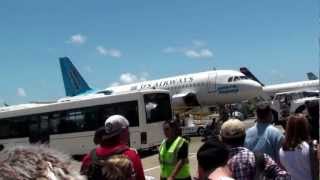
(193, 130)
(69, 124)
(284, 104)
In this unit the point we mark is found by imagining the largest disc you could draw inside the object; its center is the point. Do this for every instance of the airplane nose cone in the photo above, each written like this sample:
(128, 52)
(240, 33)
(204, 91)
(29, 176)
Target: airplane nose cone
(253, 89)
(256, 88)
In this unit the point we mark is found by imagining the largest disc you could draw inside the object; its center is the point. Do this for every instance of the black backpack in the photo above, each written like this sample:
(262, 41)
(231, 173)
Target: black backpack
(94, 171)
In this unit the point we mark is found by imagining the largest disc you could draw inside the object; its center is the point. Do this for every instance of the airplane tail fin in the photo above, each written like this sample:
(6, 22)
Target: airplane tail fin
(246, 72)
(73, 82)
(312, 76)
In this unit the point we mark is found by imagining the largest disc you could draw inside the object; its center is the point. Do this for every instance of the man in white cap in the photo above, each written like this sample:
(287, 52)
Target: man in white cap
(114, 141)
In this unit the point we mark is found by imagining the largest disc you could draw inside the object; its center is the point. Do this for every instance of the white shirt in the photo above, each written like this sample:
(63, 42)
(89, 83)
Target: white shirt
(297, 162)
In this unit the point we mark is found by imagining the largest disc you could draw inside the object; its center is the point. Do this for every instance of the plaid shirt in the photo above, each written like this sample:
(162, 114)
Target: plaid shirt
(242, 165)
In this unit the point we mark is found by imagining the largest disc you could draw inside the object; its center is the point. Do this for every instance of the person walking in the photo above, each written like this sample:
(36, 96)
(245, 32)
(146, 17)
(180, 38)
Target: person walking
(173, 154)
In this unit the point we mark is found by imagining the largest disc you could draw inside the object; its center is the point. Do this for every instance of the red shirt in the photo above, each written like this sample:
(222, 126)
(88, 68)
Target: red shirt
(130, 153)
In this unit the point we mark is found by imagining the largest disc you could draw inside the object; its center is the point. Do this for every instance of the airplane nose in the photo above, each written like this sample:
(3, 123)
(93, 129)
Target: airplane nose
(256, 87)
(253, 89)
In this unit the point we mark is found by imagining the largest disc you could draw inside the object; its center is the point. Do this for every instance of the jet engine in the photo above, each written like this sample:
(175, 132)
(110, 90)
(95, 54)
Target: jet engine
(185, 100)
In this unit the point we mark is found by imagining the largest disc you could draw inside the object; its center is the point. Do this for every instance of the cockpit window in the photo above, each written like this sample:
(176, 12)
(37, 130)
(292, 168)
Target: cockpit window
(243, 77)
(237, 78)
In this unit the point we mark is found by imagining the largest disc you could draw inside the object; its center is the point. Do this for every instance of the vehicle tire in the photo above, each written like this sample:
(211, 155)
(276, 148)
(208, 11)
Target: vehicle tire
(201, 131)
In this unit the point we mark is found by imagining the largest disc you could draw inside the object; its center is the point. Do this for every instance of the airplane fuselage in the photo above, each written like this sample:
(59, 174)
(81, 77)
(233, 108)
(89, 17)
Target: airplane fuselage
(210, 87)
(293, 86)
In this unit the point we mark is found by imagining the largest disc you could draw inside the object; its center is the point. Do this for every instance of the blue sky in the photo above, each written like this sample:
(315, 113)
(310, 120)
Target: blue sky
(116, 42)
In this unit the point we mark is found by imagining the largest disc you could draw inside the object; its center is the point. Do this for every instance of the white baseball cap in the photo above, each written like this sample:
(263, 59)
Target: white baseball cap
(114, 125)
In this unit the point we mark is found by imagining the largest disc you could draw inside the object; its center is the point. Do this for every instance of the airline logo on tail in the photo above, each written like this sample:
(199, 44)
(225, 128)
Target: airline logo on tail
(312, 76)
(74, 84)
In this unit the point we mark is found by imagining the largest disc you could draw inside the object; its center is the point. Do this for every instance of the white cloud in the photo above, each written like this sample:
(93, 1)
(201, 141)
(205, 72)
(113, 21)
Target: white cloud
(169, 50)
(202, 53)
(102, 50)
(206, 53)
(21, 92)
(198, 50)
(109, 52)
(128, 78)
(192, 54)
(77, 39)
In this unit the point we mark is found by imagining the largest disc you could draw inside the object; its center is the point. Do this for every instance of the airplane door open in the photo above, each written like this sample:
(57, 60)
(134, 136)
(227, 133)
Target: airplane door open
(212, 78)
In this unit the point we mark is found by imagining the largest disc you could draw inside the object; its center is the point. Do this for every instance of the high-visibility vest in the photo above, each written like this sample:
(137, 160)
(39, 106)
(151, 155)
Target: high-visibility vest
(169, 158)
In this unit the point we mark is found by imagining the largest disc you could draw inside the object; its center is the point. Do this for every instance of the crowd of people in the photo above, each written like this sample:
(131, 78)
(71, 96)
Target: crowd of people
(260, 152)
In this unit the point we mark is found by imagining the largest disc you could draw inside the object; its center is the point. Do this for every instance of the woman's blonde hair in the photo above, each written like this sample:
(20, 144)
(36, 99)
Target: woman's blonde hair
(118, 167)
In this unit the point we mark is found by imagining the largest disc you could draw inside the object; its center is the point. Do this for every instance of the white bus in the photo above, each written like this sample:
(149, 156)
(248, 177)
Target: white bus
(69, 124)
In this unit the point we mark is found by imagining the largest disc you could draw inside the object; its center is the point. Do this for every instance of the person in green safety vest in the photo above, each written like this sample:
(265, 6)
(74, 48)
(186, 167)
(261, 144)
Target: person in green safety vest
(173, 154)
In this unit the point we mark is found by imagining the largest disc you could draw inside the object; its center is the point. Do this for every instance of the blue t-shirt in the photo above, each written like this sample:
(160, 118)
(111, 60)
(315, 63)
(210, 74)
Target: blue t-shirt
(265, 138)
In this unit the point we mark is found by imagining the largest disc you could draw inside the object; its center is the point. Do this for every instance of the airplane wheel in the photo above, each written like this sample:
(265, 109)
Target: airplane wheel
(201, 131)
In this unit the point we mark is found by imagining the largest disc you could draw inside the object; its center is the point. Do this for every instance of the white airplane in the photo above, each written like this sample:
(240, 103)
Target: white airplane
(271, 90)
(202, 89)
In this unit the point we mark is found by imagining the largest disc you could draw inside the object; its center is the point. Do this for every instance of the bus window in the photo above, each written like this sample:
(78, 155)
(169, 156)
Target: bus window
(4, 129)
(34, 135)
(157, 107)
(18, 127)
(74, 121)
(55, 122)
(127, 109)
(91, 118)
(310, 94)
(44, 129)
